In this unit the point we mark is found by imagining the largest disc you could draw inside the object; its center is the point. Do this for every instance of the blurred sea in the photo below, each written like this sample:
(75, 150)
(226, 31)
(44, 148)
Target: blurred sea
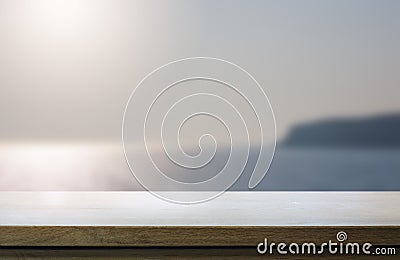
(102, 167)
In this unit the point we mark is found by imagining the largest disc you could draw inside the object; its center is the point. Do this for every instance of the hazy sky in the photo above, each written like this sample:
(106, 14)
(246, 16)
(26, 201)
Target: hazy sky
(67, 68)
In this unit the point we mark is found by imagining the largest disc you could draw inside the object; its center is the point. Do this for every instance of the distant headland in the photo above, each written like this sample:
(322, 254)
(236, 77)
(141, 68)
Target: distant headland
(374, 131)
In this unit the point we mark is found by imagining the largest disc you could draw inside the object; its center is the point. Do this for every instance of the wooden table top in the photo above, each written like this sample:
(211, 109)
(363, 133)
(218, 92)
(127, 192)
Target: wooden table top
(234, 219)
(230, 209)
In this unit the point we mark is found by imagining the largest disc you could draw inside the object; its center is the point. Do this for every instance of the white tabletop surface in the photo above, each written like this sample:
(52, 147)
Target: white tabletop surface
(230, 209)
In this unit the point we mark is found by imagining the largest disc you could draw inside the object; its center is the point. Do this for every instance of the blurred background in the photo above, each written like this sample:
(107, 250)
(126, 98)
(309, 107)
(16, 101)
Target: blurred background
(331, 70)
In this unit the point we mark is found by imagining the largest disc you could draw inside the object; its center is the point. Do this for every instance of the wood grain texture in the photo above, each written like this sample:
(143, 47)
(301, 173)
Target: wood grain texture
(164, 253)
(136, 225)
(187, 236)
